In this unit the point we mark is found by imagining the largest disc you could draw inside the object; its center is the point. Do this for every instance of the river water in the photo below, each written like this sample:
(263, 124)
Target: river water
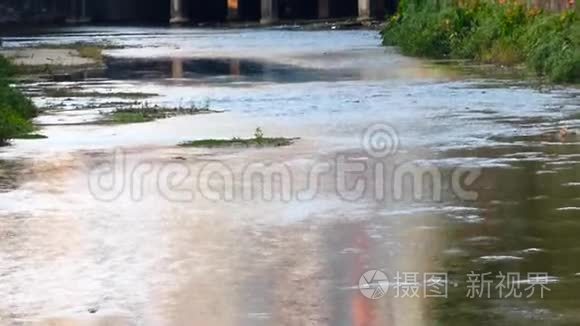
(143, 250)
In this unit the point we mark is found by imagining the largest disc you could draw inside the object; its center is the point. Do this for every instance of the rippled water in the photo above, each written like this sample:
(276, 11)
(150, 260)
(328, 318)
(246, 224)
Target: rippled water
(68, 258)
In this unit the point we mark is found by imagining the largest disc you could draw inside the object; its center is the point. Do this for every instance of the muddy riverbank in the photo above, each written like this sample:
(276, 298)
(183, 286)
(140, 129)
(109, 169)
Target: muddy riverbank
(46, 57)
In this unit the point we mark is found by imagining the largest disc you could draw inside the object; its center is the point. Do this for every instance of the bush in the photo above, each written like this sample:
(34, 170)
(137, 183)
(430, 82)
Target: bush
(13, 100)
(16, 111)
(12, 125)
(425, 32)
(553, 47)
(6, 69)
(505, 34)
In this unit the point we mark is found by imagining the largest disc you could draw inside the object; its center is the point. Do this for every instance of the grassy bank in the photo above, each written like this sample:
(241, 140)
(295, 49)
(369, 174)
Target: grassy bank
(489, 32)
(16, 111)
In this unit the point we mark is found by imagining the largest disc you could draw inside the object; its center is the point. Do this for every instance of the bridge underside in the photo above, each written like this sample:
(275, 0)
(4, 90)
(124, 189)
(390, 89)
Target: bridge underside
(186, 11)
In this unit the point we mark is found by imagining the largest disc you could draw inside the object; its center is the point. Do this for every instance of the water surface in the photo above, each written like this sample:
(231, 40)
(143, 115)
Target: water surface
(70, 258)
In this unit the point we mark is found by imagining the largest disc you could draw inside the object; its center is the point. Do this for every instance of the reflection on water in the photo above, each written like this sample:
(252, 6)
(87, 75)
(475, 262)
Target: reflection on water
(10, 174)
(208, 69)
(68, 259)
(528, 209)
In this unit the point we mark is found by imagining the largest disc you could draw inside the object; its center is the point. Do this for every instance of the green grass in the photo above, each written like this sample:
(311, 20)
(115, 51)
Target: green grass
(128, 117)
(79, 45)
(16, 111)
(12, 124)
(146, 113)
(6, 68)
(70, 93)
(23, 70)
(239, 142)
(91, 52)
(258, 141)
(30, 136)
(509, 35)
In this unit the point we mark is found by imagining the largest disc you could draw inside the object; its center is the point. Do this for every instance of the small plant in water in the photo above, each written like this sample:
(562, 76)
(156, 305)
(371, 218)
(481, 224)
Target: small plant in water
(258, 141)
(146, 113)
(206, 105)
(259, 135)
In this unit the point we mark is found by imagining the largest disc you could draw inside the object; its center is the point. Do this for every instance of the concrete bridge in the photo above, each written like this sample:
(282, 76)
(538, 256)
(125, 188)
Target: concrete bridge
(186, 11)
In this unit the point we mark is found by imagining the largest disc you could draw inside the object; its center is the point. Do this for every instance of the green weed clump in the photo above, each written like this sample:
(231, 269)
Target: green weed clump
(259, 141)
(147, 113)
(6, 68)
(91, 52)
(16, 111)
(489, 32)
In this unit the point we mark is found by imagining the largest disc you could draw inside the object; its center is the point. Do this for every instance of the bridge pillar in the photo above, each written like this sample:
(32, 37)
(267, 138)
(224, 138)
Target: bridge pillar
(77, 12)
(368, 9)
(177, 68)
(269, 11)
(235, 67)
(233, 9)
(72, 11)
(324, 9)
(178, 12)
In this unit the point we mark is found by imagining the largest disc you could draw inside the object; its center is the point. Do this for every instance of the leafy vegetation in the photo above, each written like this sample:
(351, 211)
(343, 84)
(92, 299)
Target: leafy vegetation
(508, 34)
(30, 136)
(16, 111)
(91, 52)
(102, 45)
(69, 92)
(28, 70)
(147, 113)
(6, 69)
(258, 141)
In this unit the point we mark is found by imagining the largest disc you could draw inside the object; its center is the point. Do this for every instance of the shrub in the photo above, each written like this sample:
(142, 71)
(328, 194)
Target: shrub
(12, 125)
(426, 32)
(505, 34)
(13, 100)
(6, 69)
(16, 111)
(553, 47)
